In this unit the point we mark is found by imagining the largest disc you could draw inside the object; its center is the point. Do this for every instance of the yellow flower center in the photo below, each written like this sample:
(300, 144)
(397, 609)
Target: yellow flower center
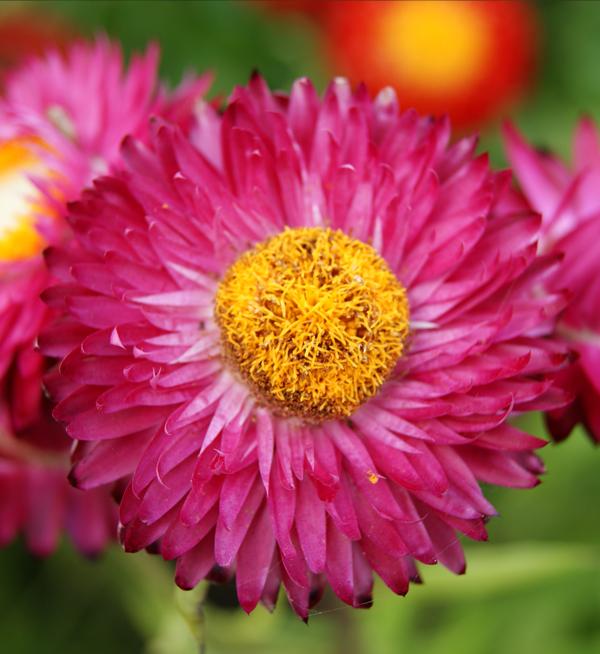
(19, 237)
(434, 46)
(313, 320)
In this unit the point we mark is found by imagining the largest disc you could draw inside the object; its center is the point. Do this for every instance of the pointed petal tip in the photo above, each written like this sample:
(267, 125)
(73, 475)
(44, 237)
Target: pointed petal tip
(363, 602)
(510, 132)
(72, 477)
(182, 583)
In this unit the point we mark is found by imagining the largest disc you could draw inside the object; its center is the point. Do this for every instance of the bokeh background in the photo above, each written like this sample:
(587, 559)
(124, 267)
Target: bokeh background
(534, 587)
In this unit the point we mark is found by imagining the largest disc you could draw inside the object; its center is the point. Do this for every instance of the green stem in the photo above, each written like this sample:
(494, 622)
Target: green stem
(191, 606)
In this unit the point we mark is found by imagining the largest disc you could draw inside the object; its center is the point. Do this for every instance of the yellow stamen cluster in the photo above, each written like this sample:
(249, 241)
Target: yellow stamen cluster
(19, 237)
(313, 320)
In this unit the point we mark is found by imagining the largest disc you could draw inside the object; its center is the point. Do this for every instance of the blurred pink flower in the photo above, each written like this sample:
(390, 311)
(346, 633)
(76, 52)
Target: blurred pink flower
(62, 120)
(36, 499)
(168, 340)
(569, 202)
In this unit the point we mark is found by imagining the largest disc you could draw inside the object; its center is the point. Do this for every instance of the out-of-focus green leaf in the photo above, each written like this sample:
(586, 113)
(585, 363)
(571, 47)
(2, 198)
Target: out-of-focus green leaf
(230, 38)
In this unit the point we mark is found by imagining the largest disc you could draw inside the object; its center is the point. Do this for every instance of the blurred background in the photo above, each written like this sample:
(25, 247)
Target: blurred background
(536, 585)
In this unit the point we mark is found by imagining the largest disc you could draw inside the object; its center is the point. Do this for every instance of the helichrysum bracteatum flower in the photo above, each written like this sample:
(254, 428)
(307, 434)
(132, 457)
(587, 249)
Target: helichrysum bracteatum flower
(569, 203)
(303, 337)
(62, 119)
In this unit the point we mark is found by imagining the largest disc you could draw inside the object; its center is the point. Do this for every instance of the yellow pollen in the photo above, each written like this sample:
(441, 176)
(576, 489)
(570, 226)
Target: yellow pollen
(314, 321)
(372, 477)
(19, 237)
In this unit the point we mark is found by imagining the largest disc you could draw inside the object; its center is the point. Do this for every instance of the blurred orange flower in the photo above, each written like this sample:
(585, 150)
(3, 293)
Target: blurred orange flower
(467, 59)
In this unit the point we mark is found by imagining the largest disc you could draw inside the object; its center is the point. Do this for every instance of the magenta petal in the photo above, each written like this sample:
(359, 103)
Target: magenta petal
(91, 523)
(310, 524)
(298, 595)
(180, 538)
(108, 461)
(363, 579)
(137, 535)
(282, 505)
(254, 560)
(340, 571)
(193, 566)
(163, 494)
(342, 511)
(393, 570)
(264, 433)
(45, 510)
(496, 468)
(94, 426)
(229, 539)
(448, 549)
(234, 494)
(272, 584)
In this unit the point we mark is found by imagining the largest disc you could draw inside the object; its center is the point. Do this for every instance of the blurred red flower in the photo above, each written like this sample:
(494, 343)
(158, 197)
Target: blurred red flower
(466, 59)
(313, 8)
(24, 33)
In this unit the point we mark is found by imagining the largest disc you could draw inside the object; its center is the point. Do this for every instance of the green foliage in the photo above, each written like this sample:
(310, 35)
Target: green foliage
(230, 38)
(568, 84)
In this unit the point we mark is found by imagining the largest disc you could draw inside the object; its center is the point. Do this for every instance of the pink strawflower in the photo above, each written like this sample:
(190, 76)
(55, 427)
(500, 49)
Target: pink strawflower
(62, 120)
(304, 347)
(569, 203)
(35, 498)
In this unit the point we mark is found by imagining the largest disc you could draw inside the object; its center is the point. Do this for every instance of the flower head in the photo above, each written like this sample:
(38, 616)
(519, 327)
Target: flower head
(304, 348)
(569, 203)
(60, 125)
(468, 59)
